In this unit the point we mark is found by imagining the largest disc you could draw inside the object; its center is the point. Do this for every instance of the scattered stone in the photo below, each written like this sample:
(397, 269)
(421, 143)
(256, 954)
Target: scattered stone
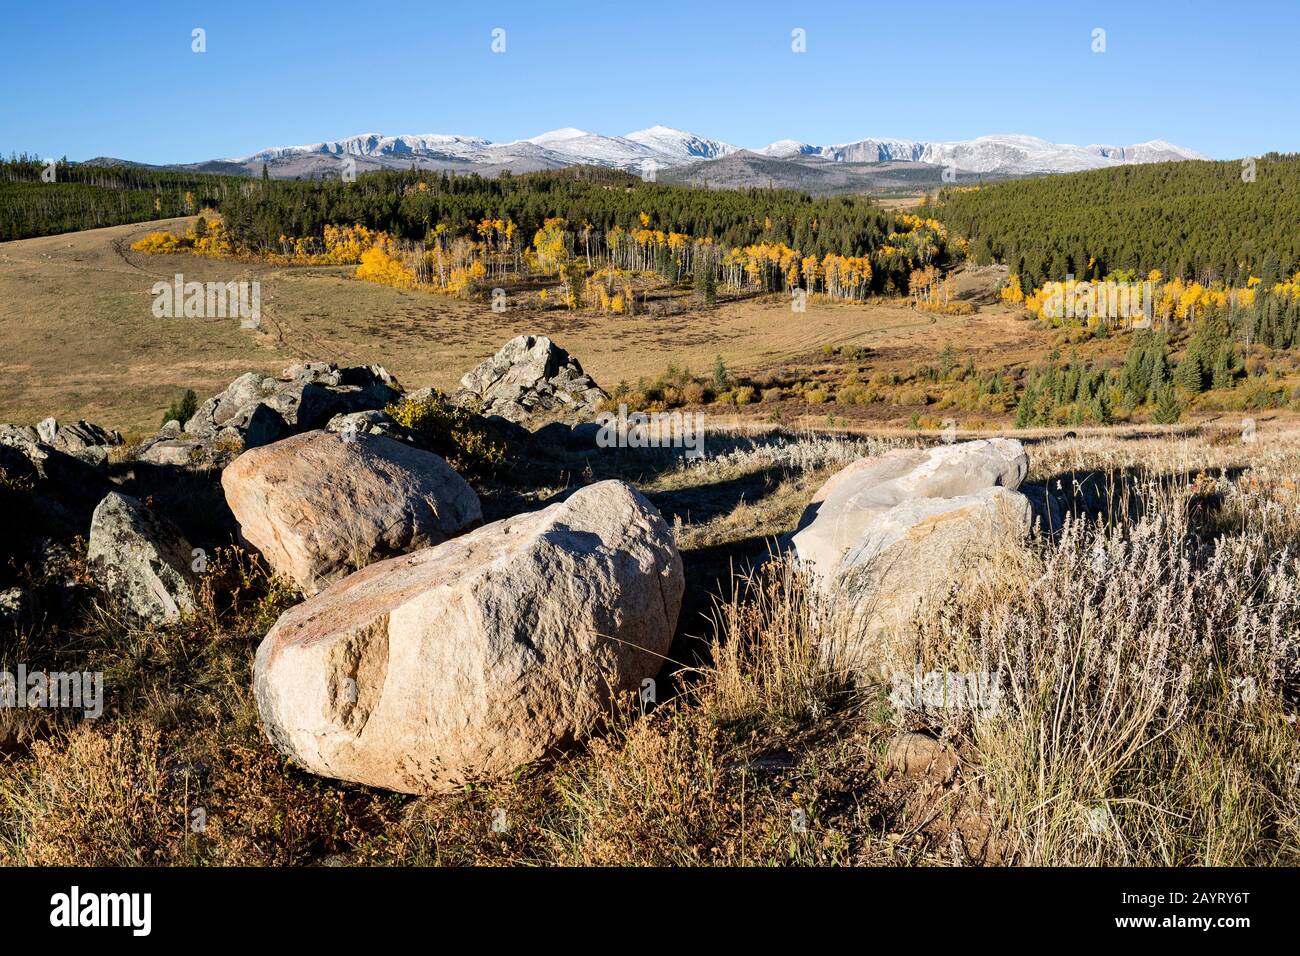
(530, 376)
(142, 558)
(321, 505)
(466, 661)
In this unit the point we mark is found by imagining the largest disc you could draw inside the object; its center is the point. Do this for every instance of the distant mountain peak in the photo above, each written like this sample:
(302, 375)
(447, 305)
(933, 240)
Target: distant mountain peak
(661, 146)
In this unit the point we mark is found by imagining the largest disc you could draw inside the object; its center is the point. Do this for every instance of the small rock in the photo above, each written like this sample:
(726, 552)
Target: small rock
(918, 754)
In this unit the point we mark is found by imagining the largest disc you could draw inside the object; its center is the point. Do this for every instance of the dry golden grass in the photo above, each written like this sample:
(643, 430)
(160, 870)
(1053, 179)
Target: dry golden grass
(1149, 681)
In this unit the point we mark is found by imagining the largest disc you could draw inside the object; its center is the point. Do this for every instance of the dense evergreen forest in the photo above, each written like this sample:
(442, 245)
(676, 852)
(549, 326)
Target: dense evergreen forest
(397, 203)
(1206, 222)
(41, 200)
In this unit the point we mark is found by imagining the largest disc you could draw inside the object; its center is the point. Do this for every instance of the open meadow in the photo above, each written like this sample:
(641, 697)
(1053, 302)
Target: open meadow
(83, 341)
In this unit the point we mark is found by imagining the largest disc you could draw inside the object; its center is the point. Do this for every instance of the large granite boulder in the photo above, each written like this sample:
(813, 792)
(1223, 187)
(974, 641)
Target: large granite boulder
(142, 559)
(468, 660)
(530, 376)
(886, 536)
(321, 505)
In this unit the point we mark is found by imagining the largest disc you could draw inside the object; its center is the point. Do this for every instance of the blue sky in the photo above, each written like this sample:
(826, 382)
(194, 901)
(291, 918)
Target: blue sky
(89, 79)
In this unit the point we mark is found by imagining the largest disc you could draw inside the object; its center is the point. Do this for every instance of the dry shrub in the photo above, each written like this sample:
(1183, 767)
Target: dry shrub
(93, 798)
(652, 793)
(694, 393)
(455, 433)
(779, 656)
(1144, 674)
(122, 795)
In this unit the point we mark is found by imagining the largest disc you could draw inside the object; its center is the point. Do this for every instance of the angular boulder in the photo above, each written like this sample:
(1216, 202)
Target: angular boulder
(259, 409)
(321, 505)
(468, 660)
(78, 436)
(373, 422)
(64, 488)
(142, 559)
(530, 376)
(886, 535)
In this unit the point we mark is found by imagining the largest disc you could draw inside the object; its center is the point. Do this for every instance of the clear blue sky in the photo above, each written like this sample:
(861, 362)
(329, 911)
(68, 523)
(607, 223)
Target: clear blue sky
(119, 79)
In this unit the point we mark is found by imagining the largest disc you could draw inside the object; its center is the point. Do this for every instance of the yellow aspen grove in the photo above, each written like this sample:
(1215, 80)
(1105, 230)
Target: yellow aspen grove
(549, 245)
(462, 260)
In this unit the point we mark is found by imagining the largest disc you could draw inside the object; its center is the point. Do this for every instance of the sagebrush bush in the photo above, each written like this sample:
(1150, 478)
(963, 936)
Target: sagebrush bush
(455, 433)
(1145, 671)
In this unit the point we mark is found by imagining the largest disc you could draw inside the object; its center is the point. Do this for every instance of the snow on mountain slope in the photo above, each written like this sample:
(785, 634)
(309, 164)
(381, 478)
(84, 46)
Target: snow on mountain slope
(579, 146)
(680, 145)
(1002, 152)
(783, 148)
(663, 147)
(377, 144)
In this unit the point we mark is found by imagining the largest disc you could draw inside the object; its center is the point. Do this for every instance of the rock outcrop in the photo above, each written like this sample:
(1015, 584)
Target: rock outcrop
(530, 377)
(255, 410)
(321, 505)
(467, 660)
(885, 536)
(81, 439)
(63, 488)
(142, 559)
(303, 397)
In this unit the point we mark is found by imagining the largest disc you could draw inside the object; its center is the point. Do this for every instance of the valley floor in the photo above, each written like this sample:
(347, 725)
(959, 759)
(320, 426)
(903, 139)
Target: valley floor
(78, 338)
(1182, 566)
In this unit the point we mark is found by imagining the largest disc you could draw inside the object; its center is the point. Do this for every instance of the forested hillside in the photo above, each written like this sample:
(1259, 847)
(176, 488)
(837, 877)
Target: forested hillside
(75, 196)
(452, 232)
(1208, 222)
(411, 205)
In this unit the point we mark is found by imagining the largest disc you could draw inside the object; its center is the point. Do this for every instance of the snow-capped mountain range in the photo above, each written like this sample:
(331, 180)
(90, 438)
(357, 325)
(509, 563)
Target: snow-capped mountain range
(1001, 152)
(661, 147)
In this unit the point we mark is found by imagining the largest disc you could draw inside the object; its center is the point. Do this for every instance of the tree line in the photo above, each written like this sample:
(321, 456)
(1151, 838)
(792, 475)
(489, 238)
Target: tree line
(42, 198)
(434, 209)
(1207, 222)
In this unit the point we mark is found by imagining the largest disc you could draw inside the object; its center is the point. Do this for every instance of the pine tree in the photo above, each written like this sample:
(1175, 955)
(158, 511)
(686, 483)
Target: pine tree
(706, 283)
(1189, 375)
(721, 379)
(1167, 410)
